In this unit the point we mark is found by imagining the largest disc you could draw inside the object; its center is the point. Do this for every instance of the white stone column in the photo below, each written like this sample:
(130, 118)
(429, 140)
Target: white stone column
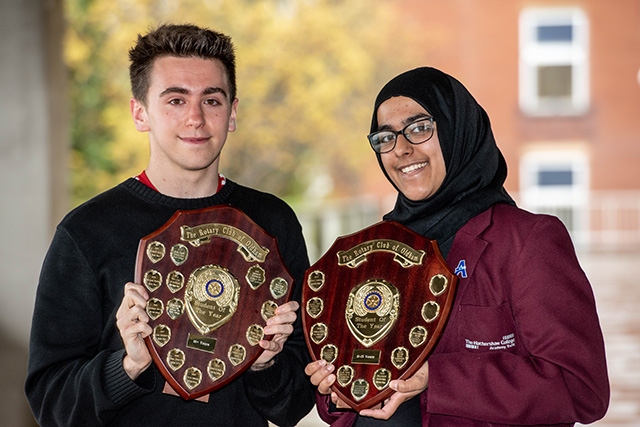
(33, 170)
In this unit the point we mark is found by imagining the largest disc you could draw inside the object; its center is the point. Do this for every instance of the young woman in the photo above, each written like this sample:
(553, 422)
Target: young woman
(520, 283)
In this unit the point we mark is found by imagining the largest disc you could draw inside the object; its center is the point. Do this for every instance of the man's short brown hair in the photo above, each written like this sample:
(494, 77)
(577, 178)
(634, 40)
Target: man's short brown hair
(182, 41)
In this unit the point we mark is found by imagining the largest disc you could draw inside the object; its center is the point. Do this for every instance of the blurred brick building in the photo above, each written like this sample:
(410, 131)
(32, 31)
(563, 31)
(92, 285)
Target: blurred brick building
(560, 82)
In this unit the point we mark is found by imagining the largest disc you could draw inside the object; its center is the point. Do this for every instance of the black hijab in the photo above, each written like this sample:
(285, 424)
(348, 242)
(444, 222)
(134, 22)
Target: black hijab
(475, 167)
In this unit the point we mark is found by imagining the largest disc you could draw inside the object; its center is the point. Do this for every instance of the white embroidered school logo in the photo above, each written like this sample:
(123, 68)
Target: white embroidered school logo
(507, 341)
(461, 269)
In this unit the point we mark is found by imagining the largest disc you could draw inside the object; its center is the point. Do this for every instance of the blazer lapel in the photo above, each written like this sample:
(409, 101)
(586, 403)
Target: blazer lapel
(468, 246)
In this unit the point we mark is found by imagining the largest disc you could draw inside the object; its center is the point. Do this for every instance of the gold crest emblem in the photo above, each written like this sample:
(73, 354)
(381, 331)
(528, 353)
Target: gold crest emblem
(211, 297)
(372, 310)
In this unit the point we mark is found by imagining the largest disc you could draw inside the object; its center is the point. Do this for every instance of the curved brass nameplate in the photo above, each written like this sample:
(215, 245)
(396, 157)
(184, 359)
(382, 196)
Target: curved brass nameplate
(405, 255)
(201, 234)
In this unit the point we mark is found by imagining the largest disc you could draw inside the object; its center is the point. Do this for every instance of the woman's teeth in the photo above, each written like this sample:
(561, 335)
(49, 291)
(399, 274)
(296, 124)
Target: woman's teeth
(413, 167)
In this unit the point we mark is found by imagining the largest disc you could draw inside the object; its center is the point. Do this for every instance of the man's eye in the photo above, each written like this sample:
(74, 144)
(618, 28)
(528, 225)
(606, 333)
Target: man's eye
(175, 101)
(212, 102)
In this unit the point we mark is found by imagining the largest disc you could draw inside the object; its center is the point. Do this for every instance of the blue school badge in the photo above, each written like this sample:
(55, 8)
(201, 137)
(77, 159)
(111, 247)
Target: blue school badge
(461, 269)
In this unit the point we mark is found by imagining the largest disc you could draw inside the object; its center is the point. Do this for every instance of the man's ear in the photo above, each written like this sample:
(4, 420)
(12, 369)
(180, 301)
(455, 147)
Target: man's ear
(139, 114)
(232, 117)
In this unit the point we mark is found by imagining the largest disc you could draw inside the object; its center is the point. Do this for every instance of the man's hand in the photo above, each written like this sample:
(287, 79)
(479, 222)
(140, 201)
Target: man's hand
(280, 326)
(404, 390)
(133, 324)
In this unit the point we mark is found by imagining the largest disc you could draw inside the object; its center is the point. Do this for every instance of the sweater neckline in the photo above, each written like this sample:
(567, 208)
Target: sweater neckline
(147, 194)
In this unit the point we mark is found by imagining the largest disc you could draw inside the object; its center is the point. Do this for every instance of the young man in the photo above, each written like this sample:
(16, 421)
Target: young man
(88, 363)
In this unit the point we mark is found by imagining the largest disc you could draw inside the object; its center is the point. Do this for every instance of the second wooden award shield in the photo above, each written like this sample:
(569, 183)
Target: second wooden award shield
(374, 306)
(214, 278)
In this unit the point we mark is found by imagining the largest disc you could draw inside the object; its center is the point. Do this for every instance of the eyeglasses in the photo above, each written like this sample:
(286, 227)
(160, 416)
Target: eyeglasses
(416, 132)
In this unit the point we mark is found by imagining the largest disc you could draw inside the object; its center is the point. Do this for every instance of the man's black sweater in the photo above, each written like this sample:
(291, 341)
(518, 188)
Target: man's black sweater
(75, 375)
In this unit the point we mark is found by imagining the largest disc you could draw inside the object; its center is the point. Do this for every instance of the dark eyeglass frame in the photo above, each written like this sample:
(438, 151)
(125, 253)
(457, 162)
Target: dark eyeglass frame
(374, 136)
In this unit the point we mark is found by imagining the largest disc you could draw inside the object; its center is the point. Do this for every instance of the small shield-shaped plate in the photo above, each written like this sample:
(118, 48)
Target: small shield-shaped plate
(374, 305)
(207, 307)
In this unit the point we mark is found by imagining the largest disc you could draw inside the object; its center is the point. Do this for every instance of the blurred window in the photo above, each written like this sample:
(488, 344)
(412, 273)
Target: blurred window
(556, 181)
(554, 62)
(555, 33)
(548, 177)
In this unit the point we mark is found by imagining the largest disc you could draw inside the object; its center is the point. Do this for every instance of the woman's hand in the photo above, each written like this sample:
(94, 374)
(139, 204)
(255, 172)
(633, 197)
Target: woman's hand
(322, 376)
(404, 390)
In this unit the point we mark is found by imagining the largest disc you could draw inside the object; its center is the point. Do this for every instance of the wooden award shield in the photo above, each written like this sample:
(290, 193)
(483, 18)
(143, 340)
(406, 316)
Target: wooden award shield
(374, 306)
(214, 278)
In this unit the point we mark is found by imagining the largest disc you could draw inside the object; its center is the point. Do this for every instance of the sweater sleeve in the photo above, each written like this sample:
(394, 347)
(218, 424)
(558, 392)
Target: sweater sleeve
(69, 380)
(555, 371)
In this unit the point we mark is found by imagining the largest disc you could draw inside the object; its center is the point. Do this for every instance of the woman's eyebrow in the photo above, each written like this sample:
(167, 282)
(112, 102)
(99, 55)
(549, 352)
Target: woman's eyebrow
(415, 117)
(406, 121)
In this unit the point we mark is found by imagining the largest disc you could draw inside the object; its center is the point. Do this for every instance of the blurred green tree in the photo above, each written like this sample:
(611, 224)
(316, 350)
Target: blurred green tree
(308, 71)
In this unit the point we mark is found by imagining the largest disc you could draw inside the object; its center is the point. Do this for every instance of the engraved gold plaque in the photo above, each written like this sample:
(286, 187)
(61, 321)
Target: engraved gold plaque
(175, 281)
(155, 308)
(246, 245)
(329, 353)
(377, 301)
(254, 334)
(319, 332)
(359, 389)
(155, 251)
(418, 336)
(365, 356)
(344, 375)
(315, 280)
(175, 359)
(201, 343)
(192, 377)
(175, 308)
(268, 310)
(371, 311)
(216, 369)
(279, 287)
(255, 276)
(381, 378)
(179, 253)
(161, 335)
(214, 277)
(237, 354)
(399, 357)
(314, 307)
(152, 280)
